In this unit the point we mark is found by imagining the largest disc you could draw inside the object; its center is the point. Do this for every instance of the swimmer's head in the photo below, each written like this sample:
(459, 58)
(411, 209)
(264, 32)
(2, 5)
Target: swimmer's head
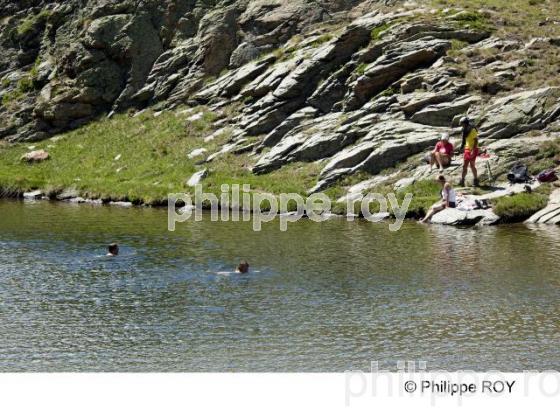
(243, 267)
(113, 249)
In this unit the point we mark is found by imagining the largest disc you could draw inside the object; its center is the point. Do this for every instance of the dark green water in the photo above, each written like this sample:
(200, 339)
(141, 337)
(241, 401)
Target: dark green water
(328, 296)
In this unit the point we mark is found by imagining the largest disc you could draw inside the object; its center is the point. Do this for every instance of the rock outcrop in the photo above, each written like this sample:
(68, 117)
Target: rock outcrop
(64, 63)
(521, 112)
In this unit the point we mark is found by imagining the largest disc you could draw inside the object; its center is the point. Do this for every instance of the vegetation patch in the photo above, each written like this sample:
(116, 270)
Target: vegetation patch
(11, 97)
(424, 194)
(472, 20)
(518, 208)
(549, 151)
(388, 92)
(140, 159)
(456, 47)
(28, 24)
(25, 84)
(377, 32)
(321, 40)
(522, 18)
(361, 69)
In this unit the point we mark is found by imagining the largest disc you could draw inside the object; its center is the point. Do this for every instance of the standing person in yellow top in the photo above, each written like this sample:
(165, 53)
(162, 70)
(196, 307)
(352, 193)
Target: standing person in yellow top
(470, 146)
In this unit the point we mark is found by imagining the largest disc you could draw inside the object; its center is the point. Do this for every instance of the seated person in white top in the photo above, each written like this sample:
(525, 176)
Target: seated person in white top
(448, 199)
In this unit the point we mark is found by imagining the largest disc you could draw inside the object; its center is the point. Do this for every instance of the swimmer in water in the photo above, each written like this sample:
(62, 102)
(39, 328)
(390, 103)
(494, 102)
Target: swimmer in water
(243, 267)
(113, 249)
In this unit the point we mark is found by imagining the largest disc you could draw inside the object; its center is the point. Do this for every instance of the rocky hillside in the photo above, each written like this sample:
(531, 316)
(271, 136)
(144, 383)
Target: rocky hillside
(358, 87)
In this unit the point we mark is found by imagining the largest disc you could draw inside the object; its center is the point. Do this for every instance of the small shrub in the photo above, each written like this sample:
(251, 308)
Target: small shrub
(388, 92)
(278, 54)
(25, 84)
(361, 69)
(472, 20)
(34, 72)
(29, 23)
(10, 97)
(321, 39)
(530, 62)
(377, 32)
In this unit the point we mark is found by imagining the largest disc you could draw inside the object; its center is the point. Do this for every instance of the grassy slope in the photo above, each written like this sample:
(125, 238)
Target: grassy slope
(519, 20)
(153, 161)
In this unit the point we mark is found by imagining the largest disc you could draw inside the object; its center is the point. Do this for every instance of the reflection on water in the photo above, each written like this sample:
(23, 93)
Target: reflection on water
(327, 296)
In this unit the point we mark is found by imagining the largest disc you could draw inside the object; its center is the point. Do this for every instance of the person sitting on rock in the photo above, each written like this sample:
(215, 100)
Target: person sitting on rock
(448, 199)
(441, 155)
(113, 249)
(243, 267)
(470, 146)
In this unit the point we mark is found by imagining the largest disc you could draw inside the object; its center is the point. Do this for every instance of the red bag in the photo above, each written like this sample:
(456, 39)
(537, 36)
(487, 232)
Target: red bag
(547, 176)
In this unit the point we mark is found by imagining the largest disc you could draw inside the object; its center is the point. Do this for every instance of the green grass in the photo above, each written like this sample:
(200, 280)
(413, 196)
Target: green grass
(473, 20)
(519, 207)
(11, 97)
(388, 92)
(425, 194)
(361, 69)
(456, 47)
(321, 40)
(153, 161)
(544, 159)
(377, 32)
(25, 84)
(519, 18)
(29, 23)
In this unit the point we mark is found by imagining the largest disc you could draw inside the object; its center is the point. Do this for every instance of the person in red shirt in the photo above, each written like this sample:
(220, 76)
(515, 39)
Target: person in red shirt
(441, 155)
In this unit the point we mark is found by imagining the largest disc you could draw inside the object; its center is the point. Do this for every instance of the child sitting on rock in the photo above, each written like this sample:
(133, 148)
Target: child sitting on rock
(448, 199)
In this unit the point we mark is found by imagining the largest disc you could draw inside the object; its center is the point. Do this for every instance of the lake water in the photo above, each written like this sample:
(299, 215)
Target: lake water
(329, 296)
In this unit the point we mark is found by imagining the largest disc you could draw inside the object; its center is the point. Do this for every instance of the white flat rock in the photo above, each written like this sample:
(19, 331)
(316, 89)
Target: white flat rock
(33, 194)
(197, 177)
(453, 216)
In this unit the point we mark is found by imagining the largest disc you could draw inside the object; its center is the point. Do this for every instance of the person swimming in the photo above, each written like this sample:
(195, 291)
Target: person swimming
(113, 249)
(243, 267)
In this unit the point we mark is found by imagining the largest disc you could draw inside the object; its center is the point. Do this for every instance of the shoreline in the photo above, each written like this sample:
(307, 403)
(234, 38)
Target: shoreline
(34, 196)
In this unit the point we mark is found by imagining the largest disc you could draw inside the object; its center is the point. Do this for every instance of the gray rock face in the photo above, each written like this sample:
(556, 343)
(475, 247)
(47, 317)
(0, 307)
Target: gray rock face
(521, 112)
(232, 83)
(217, 38)
(386, 143)
(442, 114)
(297, 84)
(315, 139)
(392, 65)
(290, 123)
